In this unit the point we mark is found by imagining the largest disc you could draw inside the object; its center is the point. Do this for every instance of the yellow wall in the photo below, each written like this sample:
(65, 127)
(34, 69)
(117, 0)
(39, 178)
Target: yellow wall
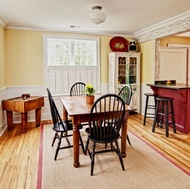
(147, 61)
(174, 40)
(105, 49)
(2, 59)
(24, 56)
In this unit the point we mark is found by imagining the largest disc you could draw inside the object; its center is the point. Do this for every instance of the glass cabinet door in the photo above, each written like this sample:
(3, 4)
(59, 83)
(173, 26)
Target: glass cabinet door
(132, 70)
(122, 70)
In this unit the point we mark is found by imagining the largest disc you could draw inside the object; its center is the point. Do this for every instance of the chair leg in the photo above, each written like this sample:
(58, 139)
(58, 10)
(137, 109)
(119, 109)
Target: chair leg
(86, 148)
(82, 145)
(119, 154)
(55, 137)
(68, 142)
(58, 146)
(112, 147)
(106, 145)
(92, 158)
(128, 140)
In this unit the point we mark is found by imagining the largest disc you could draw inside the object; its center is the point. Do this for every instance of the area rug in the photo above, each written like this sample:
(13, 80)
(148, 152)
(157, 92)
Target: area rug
(144, 168)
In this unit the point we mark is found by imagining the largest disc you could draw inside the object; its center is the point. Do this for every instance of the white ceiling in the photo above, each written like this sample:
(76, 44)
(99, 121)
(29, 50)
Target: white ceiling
(124, 17)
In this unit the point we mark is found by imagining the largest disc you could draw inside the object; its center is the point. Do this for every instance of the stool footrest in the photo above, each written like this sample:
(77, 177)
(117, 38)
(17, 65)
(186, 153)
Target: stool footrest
(164, 113)
(151, 107)
(170, 122)
(149, 114)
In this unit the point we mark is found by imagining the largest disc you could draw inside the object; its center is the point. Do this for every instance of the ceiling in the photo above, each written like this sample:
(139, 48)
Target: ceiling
(124, 17)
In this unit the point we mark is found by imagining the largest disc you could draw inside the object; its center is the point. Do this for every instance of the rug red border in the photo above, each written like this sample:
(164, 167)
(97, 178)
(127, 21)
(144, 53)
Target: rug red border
(162, 154)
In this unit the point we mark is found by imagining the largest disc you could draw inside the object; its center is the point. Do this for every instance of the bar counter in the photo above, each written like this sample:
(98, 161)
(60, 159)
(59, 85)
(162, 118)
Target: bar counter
(181, 95)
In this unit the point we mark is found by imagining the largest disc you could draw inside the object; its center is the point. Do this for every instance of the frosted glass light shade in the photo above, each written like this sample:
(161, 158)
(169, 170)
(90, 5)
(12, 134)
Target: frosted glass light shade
(97, 15)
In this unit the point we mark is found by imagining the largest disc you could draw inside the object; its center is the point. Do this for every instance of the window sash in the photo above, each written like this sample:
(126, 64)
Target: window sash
(71, 52)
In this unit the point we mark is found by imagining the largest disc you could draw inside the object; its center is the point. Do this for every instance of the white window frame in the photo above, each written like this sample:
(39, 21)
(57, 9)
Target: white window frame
(65, 87)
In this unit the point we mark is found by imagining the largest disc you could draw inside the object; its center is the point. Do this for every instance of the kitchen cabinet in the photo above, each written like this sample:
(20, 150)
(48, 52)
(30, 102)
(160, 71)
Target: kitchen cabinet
(124, 68)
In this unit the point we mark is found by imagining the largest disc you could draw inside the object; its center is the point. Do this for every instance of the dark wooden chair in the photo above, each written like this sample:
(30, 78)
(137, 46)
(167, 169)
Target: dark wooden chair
(60, 127)
(105, 129)
(126, 94)
(77, 89)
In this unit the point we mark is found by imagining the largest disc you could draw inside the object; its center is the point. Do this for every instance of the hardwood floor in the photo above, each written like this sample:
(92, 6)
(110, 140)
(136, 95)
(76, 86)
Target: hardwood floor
(19, 151)
(19, 158)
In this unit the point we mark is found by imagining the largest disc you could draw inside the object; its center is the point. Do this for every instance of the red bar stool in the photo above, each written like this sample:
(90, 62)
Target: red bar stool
(164, 115)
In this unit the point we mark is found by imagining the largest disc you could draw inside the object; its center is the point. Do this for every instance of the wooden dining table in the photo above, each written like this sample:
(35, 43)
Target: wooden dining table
(78, 110)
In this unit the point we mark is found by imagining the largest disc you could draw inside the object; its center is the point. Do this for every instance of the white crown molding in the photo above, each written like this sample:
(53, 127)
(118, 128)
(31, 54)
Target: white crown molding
(168, 27)
(68, 30)
(2, 22)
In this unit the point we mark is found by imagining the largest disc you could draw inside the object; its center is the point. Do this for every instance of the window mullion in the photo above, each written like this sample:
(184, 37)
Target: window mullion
(72, 58)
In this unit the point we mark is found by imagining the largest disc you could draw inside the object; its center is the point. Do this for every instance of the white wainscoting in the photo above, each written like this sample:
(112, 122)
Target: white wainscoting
(145, 89)
(3, 121)
(11, 92)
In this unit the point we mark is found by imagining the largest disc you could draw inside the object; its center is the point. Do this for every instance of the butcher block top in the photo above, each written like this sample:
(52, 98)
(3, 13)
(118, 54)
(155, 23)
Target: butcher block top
(20, 104)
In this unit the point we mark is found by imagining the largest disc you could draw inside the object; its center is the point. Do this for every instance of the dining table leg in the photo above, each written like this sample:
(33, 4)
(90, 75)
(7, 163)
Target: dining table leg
(124, 135)
(76, 136)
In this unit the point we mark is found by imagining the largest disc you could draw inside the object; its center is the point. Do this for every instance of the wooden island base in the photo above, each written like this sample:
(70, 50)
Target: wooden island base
(181, 95)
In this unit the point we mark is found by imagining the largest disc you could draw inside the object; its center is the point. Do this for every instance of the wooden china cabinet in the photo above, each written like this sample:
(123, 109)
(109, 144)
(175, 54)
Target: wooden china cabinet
(124, 68)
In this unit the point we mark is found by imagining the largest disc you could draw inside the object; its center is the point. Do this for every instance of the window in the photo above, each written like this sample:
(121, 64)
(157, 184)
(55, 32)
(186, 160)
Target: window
(69, 60)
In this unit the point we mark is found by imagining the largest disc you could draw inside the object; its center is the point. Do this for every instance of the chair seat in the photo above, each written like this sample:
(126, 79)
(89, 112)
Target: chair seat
(58, 126)
(108, 132)
(67, 124)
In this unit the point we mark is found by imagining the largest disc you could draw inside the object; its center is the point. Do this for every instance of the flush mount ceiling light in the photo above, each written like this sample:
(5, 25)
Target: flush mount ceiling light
(97, 15)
